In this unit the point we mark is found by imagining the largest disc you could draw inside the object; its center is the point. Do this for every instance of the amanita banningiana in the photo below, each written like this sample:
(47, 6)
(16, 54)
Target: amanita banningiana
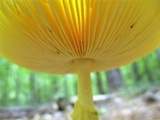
(78, 36)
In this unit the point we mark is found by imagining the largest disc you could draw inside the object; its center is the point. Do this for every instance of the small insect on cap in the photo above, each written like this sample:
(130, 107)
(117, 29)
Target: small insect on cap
(78, 36)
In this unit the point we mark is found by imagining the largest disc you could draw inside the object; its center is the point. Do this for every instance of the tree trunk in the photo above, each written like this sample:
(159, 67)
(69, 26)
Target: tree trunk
(99, 83)
(66, 87)
(33, 88)
(114, 79)
(147, 70)
(136, 73)
(17, 89)
(158, 55)
(5, 89)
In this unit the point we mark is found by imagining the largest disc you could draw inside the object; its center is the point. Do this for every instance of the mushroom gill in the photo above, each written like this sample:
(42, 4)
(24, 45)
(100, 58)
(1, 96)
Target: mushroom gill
(78, 36)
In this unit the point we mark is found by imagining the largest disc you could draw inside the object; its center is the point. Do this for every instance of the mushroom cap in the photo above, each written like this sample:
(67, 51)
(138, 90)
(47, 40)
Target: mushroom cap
(50, 35)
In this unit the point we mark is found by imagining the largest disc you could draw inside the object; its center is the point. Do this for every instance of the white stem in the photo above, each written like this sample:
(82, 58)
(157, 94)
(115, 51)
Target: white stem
(84, 107)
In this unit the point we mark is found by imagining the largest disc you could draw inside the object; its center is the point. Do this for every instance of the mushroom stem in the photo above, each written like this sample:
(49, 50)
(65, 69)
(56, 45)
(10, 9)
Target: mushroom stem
(84, 107)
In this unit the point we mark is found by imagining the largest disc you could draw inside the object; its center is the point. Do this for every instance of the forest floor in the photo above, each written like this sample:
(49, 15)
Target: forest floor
(143, 106)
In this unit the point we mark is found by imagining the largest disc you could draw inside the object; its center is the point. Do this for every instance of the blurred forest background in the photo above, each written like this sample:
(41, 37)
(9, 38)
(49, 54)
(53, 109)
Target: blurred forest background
(22, 87)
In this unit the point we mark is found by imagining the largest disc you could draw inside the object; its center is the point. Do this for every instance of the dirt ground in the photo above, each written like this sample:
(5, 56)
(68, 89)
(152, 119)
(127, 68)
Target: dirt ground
(145, 106)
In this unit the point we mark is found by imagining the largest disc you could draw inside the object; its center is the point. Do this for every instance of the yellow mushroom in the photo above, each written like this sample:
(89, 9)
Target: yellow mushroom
(78, 36)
